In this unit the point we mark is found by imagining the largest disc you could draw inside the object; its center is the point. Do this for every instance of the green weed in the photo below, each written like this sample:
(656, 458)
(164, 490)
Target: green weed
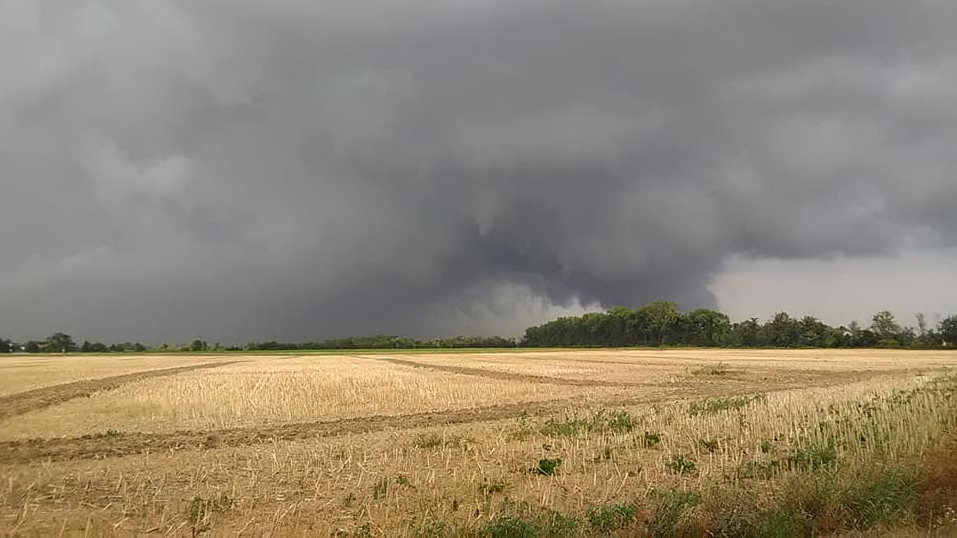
(548, 466)
(604, 519)
(668, 509)
(681, 464)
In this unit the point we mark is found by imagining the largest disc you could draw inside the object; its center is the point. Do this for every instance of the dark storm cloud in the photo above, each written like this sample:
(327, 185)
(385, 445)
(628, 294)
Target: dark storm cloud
(253, 169)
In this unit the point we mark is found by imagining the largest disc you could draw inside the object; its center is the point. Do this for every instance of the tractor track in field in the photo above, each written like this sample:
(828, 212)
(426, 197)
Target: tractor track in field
(112, 445)
(505, 376)
(32, 400)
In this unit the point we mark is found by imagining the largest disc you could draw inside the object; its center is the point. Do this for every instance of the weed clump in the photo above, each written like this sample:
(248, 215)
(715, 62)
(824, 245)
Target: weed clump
(813, 458)
(512, 526)
(602, 421)
(517, 520)
(668, 511)
(604, 519)
(548, 466)
(881, 497)
(682, 464)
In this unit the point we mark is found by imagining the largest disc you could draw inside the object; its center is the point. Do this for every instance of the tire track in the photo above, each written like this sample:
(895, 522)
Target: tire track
(102, 446)
(504, 376)
(32, 400)
(105, 446)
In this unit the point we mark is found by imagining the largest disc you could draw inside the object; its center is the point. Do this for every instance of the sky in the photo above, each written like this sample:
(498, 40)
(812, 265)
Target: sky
(289, 169)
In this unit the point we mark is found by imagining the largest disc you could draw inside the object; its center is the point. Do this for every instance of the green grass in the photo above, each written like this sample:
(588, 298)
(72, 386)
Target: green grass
(881, 497)
(668, 508)
(813, 458)
(604, 519)
(602, 421)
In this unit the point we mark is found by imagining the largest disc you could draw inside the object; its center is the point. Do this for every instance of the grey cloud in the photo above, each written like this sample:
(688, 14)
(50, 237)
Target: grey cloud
(291, 169)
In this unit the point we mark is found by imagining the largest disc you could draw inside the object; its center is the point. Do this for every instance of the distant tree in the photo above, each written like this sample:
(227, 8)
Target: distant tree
(744, 334)
(705, 327)
(139, 348)
(663, 320)
(197, 345)
(5, 346)
(884, 324)
(32, 347)
(86, 347)
(948, 330)
(782, 331)
(60, 343)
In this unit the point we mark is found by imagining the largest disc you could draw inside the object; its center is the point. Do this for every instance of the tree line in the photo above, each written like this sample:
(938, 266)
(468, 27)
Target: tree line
(64, 343)
(657, 324)
(663, 324)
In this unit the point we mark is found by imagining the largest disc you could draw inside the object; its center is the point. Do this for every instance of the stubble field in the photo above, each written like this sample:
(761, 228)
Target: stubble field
(520, 443)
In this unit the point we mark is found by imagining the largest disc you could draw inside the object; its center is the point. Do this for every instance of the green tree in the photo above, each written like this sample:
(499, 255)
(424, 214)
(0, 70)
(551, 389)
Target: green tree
(32, 346)
(782, 331)
(884, 324)
(663, 319)
(744, 334)
(5, 346)
(948, 330)
(197, 345)
(705, 327)
(60, 343)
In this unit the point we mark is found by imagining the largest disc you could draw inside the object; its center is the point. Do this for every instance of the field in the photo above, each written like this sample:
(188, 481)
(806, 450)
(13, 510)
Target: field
(518, 443)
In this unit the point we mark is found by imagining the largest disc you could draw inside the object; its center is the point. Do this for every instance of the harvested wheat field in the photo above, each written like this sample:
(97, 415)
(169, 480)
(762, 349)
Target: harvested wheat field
(523, 443)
